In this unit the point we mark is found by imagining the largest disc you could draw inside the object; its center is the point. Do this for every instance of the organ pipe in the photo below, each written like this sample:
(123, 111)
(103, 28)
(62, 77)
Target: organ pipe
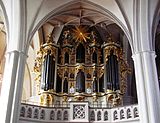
(48, 72)
(80, 81)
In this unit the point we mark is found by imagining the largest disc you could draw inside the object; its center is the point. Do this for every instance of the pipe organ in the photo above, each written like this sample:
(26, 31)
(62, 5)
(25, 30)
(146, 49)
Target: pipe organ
(80, 67)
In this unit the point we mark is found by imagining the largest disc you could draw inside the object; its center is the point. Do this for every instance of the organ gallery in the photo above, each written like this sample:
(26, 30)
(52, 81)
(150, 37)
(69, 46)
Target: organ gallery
(89, 61)
(81, 67)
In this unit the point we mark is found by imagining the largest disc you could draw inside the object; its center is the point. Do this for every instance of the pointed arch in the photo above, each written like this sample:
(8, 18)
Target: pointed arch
(59, 115)
(52, 115)
(65, 115)
(135, 112)
(105, 115)
(36, 114)
(92, 116)
(22, 112)
(29, 112)
(99, 115)
(122, 114)
(42, 114)
(129, 113)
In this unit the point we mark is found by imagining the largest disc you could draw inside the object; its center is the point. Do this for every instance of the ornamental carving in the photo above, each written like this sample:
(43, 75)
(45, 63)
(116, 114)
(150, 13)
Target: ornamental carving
(79, 112)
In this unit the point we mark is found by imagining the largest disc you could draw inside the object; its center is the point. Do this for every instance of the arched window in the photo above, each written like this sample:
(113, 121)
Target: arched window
(115, 115)
(105, 116)
(65, 115)
(29, 113)
(59, 115)
(135, 111)
(66, 58)
(22, 112)
(94, 57)
(99, 115)
(80, 54)
(92, 116)
(122, 114)
(52, 115)
(42, 115)
(36, 114)
(128, 113)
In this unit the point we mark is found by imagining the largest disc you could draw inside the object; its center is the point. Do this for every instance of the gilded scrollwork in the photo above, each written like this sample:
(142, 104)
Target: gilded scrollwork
(37, 69)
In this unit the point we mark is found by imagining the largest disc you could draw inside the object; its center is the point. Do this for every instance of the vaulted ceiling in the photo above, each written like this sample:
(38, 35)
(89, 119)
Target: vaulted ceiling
(81, 13)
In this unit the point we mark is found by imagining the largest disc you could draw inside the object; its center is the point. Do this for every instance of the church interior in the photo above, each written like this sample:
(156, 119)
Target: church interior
(80, 61)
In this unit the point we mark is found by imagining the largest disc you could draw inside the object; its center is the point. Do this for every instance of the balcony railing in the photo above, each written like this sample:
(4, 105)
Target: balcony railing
(61, 113)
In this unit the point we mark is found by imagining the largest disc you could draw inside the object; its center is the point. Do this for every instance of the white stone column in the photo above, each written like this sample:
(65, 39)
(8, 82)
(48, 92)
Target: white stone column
(147, 87)
(12, 87)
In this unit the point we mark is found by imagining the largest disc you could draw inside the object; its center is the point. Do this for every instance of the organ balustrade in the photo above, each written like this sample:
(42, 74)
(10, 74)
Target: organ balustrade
(33, 113)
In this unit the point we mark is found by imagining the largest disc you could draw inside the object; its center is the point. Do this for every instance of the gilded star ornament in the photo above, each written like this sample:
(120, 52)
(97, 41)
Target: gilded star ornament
(81, 34)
